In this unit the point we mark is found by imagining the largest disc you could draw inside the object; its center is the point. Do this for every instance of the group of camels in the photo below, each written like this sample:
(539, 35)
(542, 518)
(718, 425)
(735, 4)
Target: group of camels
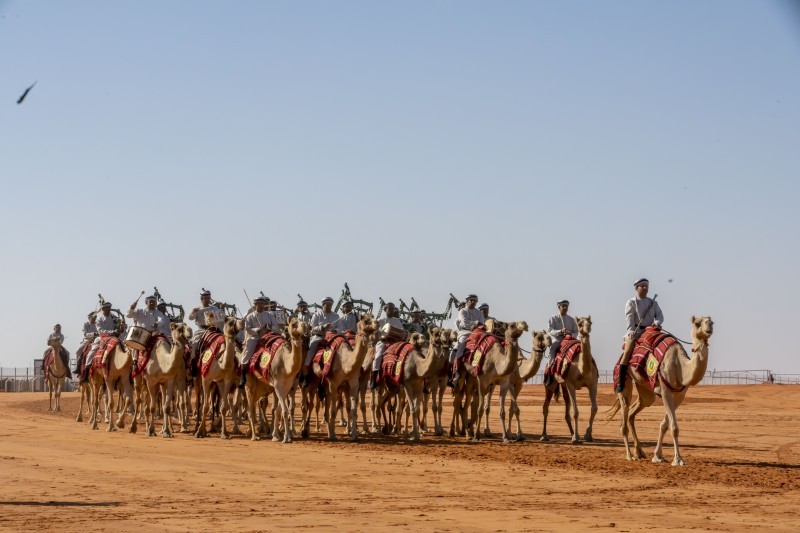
(163, 387)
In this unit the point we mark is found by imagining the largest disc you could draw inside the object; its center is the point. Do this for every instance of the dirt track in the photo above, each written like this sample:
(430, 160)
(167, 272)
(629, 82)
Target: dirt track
(743, 472)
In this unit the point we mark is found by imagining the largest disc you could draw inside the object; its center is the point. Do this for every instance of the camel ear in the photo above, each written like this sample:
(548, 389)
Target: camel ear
(172, 326)
(693, 320)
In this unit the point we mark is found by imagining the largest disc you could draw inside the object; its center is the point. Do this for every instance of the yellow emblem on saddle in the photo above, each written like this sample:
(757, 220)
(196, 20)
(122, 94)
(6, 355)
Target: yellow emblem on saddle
(398, 368)
(326, 356)
(476, 358)
(266, 359)
(207, 355)
(652, 365)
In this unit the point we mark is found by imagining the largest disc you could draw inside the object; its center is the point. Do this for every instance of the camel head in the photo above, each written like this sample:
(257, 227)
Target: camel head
(181, 333)
(418, 340)
(54, 343)
(435, 335)
(541, 340)
(702, 327)
(298, 329)
(584, 325)
(367, 325)
(232, 326)
(449, 338)
(514, 330)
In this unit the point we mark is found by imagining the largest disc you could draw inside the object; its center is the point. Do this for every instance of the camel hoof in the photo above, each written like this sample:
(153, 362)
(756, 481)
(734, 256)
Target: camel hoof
(506, 441)
(488, 434)
(58, 409)
(576, 441)
(224, 436)
(111, 429)
(255, 438)
(544, 438)
(166, 435)
(276, 439)
(132, 429)
(658, 459)
(79, 419)
(588, 438)
(520, 438)
(678, 462)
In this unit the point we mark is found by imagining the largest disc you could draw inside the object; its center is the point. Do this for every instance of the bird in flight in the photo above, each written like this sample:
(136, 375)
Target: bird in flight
(22, 98)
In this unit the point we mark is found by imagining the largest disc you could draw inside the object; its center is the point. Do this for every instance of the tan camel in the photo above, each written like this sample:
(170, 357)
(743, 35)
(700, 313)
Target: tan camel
(498, 363)
(116, 373)
(346, 369)
(421, 363)
(162, 370)
(284, 368)
(582, 373)
(676, 373)
(526, 369)
(438, 383)
(56, 374)
(222, 374)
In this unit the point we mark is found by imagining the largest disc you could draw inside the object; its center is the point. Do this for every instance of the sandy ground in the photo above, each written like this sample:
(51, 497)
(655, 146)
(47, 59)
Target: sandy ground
(742, 473)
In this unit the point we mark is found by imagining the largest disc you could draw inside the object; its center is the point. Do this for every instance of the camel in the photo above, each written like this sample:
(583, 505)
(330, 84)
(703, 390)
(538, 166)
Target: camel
(345, 370)
(526, 368)
(284, 368)
(676, 373)
(223, 375)
(582, 373)
(498, 363)
(418, 367)
(163, 369)
(55, 374)
(116, 371)
(363, 385)
(438, 383)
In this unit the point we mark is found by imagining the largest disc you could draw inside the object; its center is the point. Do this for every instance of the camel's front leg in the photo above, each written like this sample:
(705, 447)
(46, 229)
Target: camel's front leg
(438, 409)
(202, 410)
(593, 399)
(150, 409)
(670, 407)
(658, 456)
(80, 407)
(423, 422)
(252, 402)
(127, 395)
(487, 407)
(362, 402)
(503, 394)
(478, 413)
(515, 414)
(413, 395)
(166, 428)
(331, 408)
(548, 396)
(572, 408)
(96, 392)
(353, 406)
(225, 405)
(50, 387)
(110, 405)
(59, 384)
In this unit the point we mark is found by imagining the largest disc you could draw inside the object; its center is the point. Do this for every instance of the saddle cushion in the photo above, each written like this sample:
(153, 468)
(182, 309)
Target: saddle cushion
(647, 356)
(478, 344)
(394, 360)
(211, 347)
(326, 351)
(143, 356)
(567, 353)
(100, 359)
(267, 347)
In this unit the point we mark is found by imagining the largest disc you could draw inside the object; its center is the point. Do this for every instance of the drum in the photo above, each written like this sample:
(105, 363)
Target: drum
(393, 333)
(138, 338)
(217, 318)
(495, 326)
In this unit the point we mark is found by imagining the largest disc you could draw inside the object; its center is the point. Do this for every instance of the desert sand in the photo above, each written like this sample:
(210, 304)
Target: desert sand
(741, 445)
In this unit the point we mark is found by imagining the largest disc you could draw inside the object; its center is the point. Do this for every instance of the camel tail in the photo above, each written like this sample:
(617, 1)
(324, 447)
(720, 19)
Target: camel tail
(613, 411)
(557, 393)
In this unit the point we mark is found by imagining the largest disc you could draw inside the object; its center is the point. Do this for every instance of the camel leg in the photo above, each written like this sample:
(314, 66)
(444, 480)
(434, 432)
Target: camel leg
(477, 413)
(127, 396)
(593, 399)
(548, 396)
(305, 410)
(423, 421)
(150, 409)
(486, 407)
(252, 402)
(572, 408)
(110, 386)
(515, 413)
(503, 393)
(137, 401)
(456, 414)
(624, 399)
(59, 383)
(413, 396)
(202, 409)
(96, 392)
(670, 405)
(80, 407)
(342, 416)
(638, 406)
(438, 409)
(50, 391)
(331, 408)
(166, 429)
(362, 402)
(224, 404)
(352, 404)
(658, 456)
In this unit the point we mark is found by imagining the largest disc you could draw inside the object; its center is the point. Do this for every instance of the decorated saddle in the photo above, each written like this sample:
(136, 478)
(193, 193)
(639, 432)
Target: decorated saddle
(105, 347)
(143, 356)
(567, 353)
(212, 344)
(267, 347)
(394, 360)
(647, 356)
(50, 359)
(478, 343)
(326, 351)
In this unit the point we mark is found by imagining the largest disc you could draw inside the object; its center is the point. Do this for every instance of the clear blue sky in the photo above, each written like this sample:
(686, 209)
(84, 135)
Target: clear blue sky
(526, 151)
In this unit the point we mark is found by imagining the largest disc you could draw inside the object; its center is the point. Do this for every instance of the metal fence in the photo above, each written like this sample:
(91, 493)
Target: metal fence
(29, 379)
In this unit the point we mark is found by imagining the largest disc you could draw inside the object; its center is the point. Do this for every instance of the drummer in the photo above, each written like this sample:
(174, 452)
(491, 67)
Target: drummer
(148, 318)
(163, 325)
(198, 314)
(417, 325)
(348, 321)
(320, 324)
(393, 319)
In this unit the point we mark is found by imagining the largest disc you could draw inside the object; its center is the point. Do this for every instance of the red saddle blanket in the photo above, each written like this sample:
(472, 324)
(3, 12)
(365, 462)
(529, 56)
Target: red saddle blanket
(567, 353)
(143, 356)
(267, 347)
(478, 343)
(212, 344)
(394, 360)
(326, 351)
(647, 356)
(50, 359)
(106, 347)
